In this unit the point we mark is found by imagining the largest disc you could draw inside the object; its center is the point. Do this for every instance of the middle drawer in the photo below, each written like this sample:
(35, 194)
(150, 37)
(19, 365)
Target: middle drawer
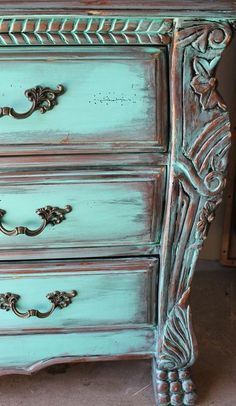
(114, 212)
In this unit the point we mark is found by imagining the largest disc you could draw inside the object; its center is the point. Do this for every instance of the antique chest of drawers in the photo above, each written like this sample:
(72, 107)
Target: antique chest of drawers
(113, 152)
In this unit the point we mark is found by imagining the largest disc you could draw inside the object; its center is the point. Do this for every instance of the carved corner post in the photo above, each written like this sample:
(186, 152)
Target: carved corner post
(199, 148)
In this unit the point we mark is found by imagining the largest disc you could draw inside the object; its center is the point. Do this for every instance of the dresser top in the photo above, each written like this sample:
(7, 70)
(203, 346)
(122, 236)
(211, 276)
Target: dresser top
(209, 8)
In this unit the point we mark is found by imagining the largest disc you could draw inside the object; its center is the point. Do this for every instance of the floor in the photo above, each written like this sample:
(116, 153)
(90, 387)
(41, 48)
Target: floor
(129, 383)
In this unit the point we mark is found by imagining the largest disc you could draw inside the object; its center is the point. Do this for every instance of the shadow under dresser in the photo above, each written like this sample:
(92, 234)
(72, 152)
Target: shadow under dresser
(113, 151)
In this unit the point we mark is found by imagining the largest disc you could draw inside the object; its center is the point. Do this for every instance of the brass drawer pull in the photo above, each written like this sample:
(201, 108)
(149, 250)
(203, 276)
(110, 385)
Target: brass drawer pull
(59, 299)
(42, 98)
(49, 214)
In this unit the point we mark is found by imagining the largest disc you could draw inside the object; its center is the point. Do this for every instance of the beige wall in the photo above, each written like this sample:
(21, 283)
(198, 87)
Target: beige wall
(226, 75)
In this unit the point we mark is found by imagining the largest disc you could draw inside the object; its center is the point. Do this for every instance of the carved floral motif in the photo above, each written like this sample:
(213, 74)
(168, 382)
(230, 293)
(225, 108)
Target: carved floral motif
(205, 84)
(208, 153)
(208, 40)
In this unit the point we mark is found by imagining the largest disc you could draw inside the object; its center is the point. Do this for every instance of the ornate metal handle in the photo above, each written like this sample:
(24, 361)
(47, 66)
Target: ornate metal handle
(42, 98)
(49, 214)
(59, 299)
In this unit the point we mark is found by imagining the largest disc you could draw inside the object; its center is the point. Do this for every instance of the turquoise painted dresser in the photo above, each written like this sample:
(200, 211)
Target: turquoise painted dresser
(113, 153)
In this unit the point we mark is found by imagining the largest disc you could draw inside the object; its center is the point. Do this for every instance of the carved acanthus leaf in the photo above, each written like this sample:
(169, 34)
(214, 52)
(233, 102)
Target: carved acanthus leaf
(179, 347)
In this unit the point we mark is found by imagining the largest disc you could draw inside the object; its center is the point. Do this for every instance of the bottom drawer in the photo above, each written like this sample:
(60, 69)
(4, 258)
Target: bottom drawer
(106, 294)
(31, 352)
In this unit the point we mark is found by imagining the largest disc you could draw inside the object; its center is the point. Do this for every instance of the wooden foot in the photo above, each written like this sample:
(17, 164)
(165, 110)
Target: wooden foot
(174, 388)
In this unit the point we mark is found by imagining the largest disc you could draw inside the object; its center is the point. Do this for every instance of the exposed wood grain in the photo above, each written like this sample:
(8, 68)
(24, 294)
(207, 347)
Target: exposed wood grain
(84, 148)
(81, 252)
(85, 265)
(82, 160)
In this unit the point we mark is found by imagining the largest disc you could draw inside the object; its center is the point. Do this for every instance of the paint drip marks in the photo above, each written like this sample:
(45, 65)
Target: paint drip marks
(111, 98)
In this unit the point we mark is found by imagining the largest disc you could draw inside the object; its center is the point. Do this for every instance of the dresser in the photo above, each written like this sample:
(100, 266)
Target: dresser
(113, 155)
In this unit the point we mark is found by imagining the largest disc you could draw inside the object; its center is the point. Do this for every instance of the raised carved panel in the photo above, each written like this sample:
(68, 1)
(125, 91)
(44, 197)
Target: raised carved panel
(206, 139)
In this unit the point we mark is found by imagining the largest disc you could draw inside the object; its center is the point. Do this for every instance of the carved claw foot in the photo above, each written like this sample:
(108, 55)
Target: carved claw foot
(174, 388)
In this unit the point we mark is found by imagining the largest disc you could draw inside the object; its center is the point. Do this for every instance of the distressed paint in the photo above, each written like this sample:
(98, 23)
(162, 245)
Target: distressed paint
(39, 349)
(73, 30)
(196, 162)
(125, 202)
(99, 89)
(75, 161)
(108, 294)
(201, 140)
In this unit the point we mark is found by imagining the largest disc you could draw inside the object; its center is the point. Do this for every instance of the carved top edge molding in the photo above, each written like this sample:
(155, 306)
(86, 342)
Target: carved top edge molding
(71, 30)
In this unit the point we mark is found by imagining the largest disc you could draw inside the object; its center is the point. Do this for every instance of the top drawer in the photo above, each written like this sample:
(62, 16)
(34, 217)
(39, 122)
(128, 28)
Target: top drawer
(114, 98)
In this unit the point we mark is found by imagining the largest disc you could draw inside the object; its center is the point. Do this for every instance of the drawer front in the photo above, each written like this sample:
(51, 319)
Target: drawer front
(38, 351)
(113, 212)
(108, 293)
(113, 98)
